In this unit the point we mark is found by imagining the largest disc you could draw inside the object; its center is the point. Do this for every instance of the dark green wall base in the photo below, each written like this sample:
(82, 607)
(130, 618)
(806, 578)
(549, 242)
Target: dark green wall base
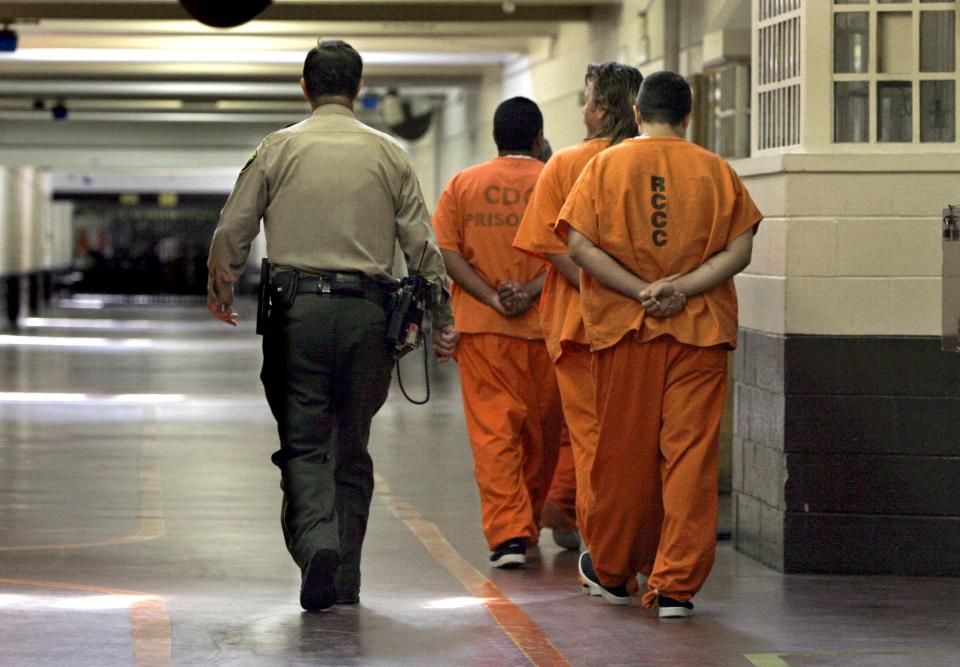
(846, 454)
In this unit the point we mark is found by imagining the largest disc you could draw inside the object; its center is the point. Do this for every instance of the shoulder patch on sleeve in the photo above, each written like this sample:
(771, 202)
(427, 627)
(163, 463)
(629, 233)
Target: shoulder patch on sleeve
(251, 160)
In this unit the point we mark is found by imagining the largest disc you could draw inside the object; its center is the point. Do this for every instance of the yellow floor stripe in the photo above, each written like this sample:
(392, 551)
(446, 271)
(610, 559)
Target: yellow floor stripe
(520, 628)
(150, 521)
(777, 659)
(149, 623)
(766, 660)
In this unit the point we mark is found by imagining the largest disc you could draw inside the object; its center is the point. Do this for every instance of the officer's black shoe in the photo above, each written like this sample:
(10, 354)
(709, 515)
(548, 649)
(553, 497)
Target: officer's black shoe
(348, 597)
(317, 591)
(510, 555)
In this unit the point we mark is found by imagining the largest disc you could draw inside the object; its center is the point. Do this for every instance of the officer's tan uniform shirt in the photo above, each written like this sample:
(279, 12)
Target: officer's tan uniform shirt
(334, 195)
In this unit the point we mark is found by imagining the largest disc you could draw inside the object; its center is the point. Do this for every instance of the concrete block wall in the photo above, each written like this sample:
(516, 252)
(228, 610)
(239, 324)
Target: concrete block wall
(759, 470)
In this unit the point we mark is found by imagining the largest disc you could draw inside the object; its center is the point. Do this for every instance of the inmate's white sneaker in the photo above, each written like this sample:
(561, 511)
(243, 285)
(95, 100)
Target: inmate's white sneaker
(670, 608)
(588, 579)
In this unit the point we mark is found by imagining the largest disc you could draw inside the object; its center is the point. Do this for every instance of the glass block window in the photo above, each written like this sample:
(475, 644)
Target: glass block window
(779, 73)
(894, 71)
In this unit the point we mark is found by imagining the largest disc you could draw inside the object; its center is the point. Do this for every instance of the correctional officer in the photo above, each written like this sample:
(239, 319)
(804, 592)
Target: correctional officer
(335, 197)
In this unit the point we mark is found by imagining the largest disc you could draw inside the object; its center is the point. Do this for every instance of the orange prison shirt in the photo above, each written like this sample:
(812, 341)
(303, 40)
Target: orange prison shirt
(659, 206)
(477, 216)
(560, 301)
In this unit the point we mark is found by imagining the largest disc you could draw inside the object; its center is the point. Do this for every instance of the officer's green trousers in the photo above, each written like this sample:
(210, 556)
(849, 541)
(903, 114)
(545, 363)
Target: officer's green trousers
(326, 372)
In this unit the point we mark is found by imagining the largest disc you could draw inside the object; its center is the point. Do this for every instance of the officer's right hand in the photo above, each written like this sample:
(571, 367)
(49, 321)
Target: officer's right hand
(445, 342)
(220, 296)
(223, 312)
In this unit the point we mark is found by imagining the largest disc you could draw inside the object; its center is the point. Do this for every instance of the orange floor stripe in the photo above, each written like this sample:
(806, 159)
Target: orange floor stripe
(520, 628)
(149, 623)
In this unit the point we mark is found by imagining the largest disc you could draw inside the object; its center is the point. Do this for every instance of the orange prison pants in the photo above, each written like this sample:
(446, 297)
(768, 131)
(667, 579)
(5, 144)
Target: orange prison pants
(575, 377)
(560, 510)
(654, 476)
(512, 407)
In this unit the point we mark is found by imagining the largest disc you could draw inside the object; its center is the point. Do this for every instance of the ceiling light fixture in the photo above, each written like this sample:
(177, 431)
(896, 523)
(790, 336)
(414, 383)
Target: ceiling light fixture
(59, 110)
(8, 38)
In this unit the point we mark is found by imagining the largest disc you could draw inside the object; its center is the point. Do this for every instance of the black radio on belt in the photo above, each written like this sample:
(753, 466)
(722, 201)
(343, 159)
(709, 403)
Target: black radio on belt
(405, 326)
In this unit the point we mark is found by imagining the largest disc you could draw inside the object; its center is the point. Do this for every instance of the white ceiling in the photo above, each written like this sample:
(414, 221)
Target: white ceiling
(114, 56)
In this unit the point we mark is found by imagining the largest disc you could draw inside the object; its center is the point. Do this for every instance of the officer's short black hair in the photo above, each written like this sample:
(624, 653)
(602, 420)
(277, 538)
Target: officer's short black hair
(516, 124)
(664, 97)
(333, 67)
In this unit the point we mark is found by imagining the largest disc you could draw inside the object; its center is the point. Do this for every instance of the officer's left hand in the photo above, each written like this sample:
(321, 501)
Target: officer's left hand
(445, 342)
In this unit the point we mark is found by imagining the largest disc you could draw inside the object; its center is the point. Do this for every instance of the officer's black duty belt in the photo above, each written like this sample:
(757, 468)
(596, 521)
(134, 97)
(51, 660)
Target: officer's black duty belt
(346, 284)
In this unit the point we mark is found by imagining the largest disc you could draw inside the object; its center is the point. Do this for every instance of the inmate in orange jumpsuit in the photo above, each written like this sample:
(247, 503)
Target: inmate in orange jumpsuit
(560, 315)
(510, 395)
(659, 206)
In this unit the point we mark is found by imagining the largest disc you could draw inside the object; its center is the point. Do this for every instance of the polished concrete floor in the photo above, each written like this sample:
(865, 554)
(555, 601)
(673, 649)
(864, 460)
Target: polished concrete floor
(138, 525)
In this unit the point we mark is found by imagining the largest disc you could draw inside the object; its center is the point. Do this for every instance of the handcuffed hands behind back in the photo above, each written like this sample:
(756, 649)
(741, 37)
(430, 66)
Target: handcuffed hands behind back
(515, 299)
(661, 299)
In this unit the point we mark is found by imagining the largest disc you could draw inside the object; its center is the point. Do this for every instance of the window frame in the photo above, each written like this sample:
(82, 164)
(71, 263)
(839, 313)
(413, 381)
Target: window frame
(873, 77)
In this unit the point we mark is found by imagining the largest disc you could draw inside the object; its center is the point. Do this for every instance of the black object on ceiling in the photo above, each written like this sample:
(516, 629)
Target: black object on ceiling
(412, 127)
(219, 14)
(8, 39)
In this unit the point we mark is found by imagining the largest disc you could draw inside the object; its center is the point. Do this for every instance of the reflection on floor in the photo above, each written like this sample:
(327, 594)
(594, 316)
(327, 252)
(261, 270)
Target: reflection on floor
(138, 524)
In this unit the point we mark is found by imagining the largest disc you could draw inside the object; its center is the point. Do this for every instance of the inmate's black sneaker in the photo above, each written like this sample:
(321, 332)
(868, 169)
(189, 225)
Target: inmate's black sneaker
(592, 586)
(317, 592)
(510, 555)
(670, 608)
(567, 538)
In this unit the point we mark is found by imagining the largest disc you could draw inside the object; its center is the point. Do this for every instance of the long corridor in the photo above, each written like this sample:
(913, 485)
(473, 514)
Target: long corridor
(139, 525)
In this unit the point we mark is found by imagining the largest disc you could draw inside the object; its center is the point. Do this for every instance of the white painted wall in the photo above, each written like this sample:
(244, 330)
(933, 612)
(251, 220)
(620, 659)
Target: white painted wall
(850, 245)
(6, 230)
